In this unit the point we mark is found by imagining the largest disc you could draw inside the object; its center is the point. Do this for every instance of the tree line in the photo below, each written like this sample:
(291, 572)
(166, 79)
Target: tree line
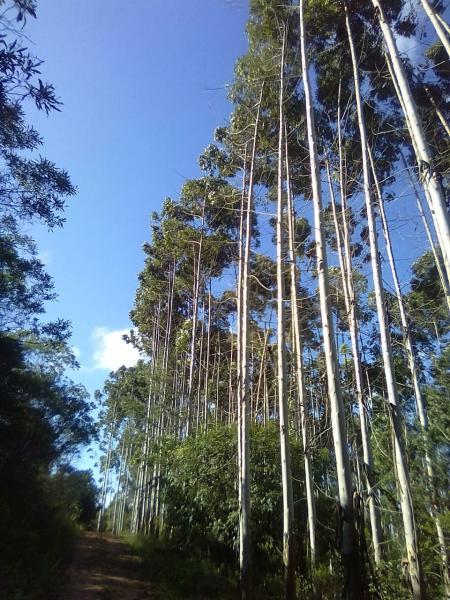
(45, 417)
(272, 297)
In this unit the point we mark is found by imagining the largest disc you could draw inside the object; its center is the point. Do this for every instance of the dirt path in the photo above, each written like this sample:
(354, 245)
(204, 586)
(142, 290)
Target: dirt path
(104, 569)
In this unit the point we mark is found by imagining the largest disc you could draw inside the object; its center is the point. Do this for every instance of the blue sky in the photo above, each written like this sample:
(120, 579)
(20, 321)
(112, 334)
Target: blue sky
(144, 86)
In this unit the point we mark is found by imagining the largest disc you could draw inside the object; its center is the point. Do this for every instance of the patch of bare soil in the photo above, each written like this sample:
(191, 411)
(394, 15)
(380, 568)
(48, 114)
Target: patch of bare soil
(103, 568)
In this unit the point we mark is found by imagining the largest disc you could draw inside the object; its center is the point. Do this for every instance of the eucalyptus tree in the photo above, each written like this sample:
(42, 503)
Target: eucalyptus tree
(350, 549)
(300, 371)
(441, 30)
(351, 308)
(221, 362)
(288, 499)
(429, 175)
(393, 399)
(243, 362)
(414, 372)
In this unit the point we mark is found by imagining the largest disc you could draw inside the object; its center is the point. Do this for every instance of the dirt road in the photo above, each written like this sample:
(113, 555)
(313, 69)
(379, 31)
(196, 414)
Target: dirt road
(104, 569)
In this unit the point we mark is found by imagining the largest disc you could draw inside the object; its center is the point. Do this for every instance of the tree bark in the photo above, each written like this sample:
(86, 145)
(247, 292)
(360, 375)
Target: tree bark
(288, 498)
(432, 15)
(414, 371)
(244, 521)
(349, 546)
(403, 484)
(351, 308)
(429, 175)
(300, 378)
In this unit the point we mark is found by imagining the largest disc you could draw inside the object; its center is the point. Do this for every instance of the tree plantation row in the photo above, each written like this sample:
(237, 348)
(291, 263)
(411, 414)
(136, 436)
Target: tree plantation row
(288, 421)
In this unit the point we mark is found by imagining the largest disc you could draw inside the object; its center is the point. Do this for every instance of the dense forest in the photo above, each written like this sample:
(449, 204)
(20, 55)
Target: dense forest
(286, 432)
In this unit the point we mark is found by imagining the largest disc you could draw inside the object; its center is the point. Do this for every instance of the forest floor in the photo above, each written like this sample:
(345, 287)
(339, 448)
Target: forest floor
(104, 568)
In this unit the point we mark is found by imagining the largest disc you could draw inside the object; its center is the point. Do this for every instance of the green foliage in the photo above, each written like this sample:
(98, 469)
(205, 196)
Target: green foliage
(181, 573)
(36, 541)
(44, 416)
(75, 493)
(196, 242)
(40, 517)
(30, 188)
(426, 301)
(201, 504)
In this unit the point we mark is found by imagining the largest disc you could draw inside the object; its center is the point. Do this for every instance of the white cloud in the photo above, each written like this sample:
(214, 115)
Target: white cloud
(76, 352)
(110, 351)
(45, 256)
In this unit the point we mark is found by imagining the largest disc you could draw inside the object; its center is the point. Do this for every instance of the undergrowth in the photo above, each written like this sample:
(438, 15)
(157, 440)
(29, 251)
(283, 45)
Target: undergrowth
(179, 574)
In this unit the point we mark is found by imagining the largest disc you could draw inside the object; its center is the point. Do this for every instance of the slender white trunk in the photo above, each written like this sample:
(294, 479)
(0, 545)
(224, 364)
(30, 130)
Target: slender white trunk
(438, 111)
(240, 383)
(394, 405)
(104, 493)
(124, 490)
(432, 15)
(444, 24)
(200, 362)
(351, 308)
(244, 521)
(417, 153)
(117, 494)
(350, 550)
(414, 371)
(261, 374)
(155, 351)
(288, 498)
(443, 273)
(217, 363)
(196, 289)
(300, 378)
(437, 258)
(429, 176)
(208, 354)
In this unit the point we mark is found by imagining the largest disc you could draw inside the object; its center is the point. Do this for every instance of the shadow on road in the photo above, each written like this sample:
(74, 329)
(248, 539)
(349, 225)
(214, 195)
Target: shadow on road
(103, 568)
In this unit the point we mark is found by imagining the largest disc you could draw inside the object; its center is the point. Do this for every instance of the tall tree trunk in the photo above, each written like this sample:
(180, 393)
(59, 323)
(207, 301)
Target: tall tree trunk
(429, 175)
(351, 309)
(369, 467)
(288, 498)
(432, 15)
(440, 264)
(244, 388)
(208, 354)
(151, 401)
(104, 493)
(414, 371)
(350, 549)
(300, 378)
(262, 365)
(195, 297)
(444, 24)
(240, 383)
(394, 405)
(200, 366)
(437, 257)
(117, 494)
(438, 111)
(124, 489)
